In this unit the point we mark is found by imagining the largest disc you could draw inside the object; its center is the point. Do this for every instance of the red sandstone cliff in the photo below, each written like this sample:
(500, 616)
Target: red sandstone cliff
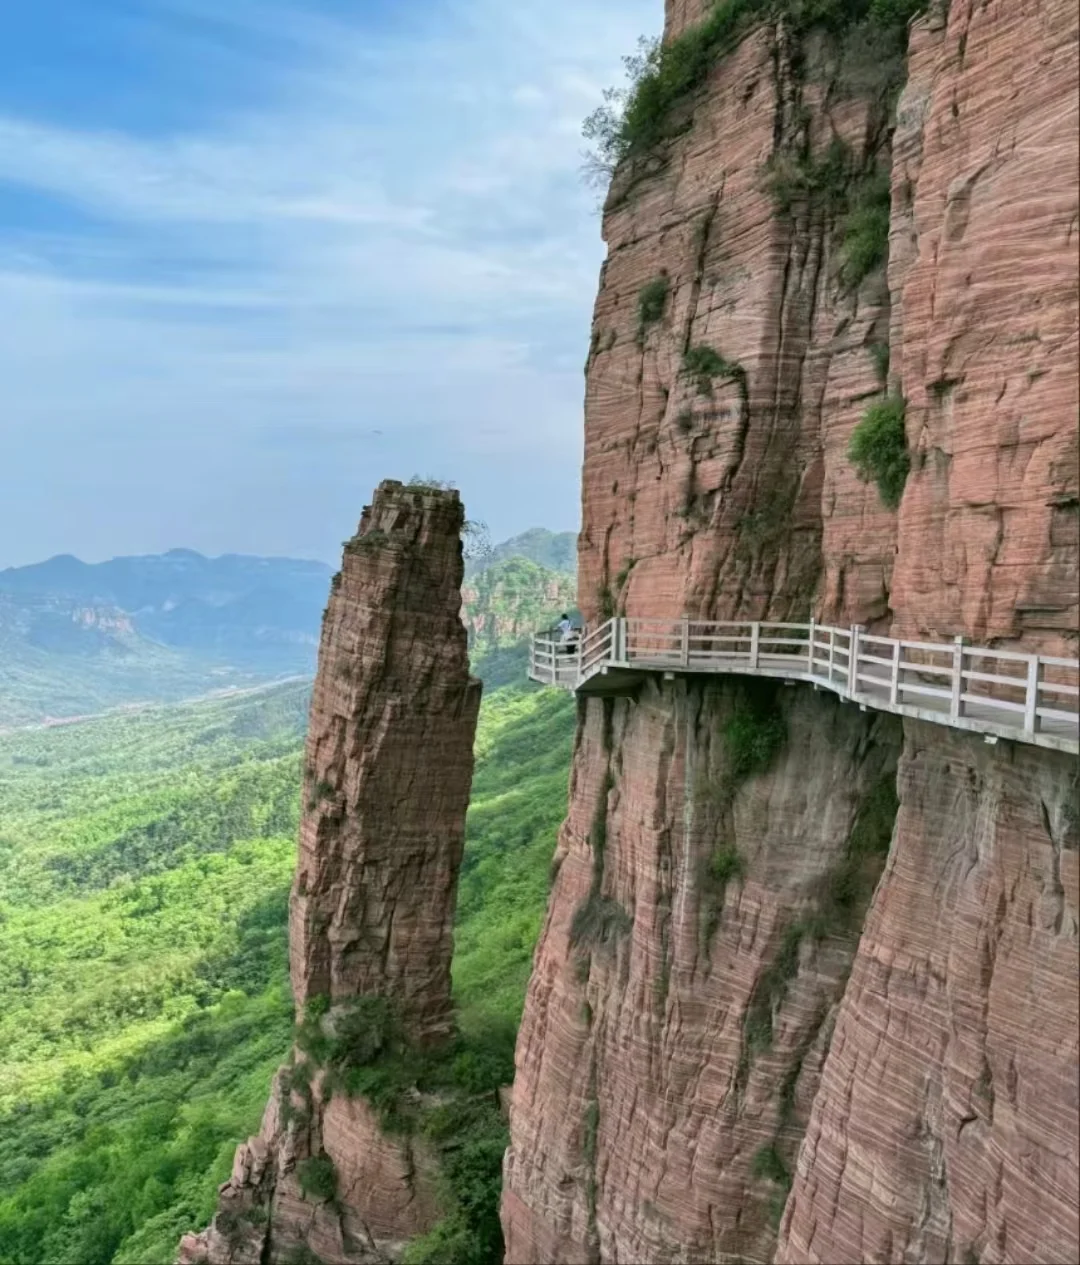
(961, 1013)
(761, 976)
(388, 768)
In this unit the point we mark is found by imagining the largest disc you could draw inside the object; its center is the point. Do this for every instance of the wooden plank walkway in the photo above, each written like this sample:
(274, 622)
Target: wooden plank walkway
(998, 693)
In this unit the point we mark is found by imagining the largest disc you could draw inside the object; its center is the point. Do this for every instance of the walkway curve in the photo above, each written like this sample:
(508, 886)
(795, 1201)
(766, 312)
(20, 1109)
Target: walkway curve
(999, 693)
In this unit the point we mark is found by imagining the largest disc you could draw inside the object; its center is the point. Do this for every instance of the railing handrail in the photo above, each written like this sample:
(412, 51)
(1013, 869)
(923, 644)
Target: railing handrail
(831, 657)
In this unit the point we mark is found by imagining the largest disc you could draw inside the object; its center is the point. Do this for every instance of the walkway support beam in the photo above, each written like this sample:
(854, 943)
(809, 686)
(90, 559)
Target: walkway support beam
(853, 660)
(1031, 700)
(956, 703)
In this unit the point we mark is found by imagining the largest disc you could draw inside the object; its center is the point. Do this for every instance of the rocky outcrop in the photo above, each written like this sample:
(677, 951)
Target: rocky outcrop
(388, 768)
(714, 1019)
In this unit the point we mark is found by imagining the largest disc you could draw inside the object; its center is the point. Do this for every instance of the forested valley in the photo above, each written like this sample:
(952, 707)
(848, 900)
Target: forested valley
(145, 864)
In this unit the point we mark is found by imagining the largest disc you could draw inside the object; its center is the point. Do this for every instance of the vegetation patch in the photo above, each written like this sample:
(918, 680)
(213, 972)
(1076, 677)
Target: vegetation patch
(770, 991)
(317, 1176)
(768, 1164)
(879, 354)
(760, 530)
(652, 299)
(302, 1255)
(865, 241)
(846, 889)
(704, 363)
(753, 738)
(145, 862)
(425, 483)
(726, 863)
(878, 449)
(599, 920)
(590, 1131)
(793, 180)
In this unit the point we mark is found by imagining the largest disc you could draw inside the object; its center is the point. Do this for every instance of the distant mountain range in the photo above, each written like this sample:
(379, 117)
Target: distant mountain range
(555, 550)
(78, 638)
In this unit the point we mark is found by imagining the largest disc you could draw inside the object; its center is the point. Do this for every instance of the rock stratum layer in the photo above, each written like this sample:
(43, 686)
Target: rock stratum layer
(388, 769)
(807, 987)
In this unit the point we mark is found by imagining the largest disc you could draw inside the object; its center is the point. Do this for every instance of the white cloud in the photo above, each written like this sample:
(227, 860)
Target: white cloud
(402, 236)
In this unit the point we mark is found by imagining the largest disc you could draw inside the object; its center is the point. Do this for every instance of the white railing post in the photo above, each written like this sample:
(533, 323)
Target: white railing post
(956, 702)
(755, 642)
(619, 632)
(832, 652)
(894, 683)
(684, 642)
(1031, 701)
(853, 660)
(580, 655)
(810, 664)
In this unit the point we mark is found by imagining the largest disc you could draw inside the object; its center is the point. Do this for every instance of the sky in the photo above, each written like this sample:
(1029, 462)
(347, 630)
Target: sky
(256, 256)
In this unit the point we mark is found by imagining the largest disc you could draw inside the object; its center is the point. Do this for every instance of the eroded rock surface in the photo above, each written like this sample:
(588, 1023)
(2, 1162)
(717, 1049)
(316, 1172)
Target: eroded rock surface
(984, 271)
(947, 1126)
(388, 768)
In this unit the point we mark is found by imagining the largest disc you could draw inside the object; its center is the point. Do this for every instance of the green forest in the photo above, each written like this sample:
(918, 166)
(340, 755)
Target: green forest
(145, 864)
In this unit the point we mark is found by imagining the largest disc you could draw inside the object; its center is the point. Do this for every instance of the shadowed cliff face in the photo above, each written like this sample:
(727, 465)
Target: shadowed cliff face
(701, 927)
(388, 769)
(749, 1034)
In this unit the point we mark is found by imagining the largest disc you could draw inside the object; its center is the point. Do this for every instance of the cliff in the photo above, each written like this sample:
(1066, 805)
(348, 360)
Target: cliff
(806, 990)
(388, 767)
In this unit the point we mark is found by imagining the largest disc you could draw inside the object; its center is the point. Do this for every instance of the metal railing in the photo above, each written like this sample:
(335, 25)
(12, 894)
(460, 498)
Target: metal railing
(1001, 693)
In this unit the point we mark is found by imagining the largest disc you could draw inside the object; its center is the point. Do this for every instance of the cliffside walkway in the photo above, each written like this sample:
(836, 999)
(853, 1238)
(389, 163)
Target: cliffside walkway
(998, 693)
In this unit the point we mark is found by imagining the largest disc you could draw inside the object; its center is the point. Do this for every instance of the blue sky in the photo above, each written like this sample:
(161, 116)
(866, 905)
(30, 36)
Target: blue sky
(250, 265)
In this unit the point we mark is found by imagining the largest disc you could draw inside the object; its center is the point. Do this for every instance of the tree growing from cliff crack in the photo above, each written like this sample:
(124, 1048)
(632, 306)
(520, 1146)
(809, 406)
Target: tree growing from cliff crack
(605, 127)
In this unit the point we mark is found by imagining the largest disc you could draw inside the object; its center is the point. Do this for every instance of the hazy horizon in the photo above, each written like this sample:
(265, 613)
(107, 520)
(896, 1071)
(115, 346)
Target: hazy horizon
(330, 562)
(256, 261)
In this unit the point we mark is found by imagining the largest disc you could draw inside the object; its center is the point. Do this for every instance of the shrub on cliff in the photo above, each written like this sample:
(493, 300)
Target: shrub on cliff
(878, 449)
(752, 740)
(317, 1176)
(865, 243)
(651, 300)
(703, 363)
(662, 75)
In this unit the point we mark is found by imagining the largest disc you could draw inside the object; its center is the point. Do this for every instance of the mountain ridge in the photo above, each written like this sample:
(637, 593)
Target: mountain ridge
(83, 638)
